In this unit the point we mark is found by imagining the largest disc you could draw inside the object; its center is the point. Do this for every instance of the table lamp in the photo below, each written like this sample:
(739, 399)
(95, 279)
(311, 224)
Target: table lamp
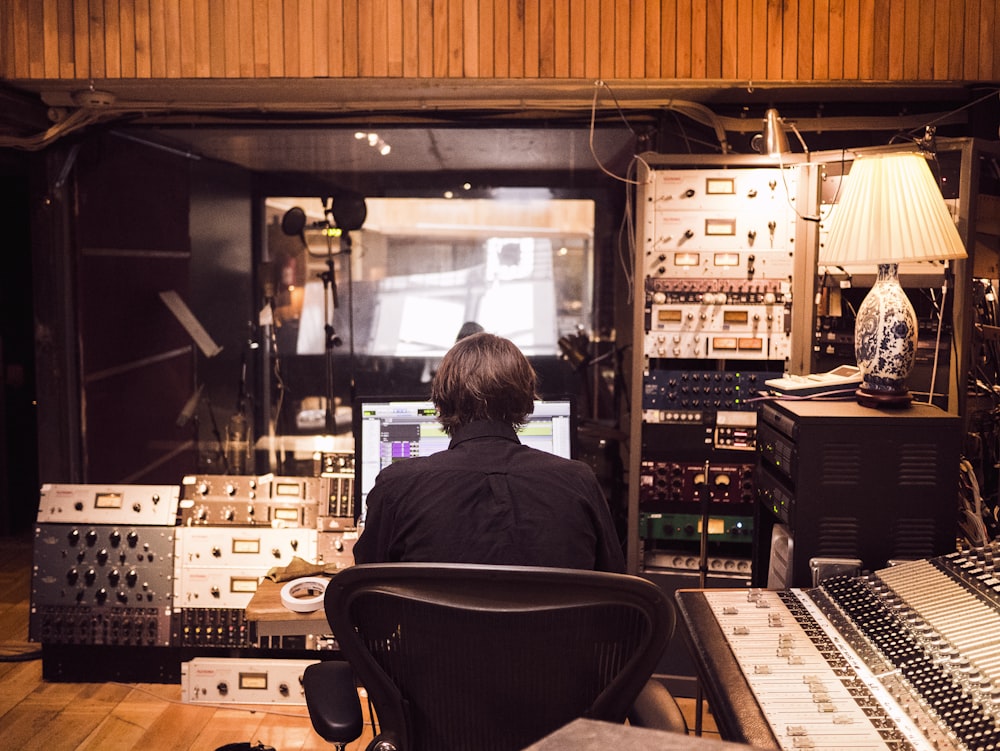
(892, 211)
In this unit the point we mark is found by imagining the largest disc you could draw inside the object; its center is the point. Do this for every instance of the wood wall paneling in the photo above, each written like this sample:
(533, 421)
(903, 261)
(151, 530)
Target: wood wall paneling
(731, 40)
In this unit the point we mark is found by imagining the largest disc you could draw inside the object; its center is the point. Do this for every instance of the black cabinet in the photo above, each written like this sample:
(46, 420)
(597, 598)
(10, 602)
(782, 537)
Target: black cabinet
(840, 481)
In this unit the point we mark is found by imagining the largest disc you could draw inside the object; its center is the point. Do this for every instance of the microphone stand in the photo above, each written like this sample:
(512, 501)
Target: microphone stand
(329, 278)
(705, 500)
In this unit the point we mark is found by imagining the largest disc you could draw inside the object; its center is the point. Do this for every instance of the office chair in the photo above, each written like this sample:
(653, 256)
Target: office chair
(488, 658)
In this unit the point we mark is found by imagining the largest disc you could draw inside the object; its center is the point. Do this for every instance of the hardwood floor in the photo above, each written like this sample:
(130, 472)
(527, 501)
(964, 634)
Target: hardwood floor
(112, 716)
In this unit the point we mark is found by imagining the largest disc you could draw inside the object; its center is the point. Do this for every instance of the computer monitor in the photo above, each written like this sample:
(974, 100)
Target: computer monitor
(389, 429)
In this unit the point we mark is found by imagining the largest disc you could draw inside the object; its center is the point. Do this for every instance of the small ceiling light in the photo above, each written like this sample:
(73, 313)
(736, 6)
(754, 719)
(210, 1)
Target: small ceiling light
(375, 141)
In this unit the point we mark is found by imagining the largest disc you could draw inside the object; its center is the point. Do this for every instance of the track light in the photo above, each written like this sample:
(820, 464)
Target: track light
(375, 141)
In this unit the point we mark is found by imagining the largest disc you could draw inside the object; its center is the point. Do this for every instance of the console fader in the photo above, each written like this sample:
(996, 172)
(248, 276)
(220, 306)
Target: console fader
(907, 657)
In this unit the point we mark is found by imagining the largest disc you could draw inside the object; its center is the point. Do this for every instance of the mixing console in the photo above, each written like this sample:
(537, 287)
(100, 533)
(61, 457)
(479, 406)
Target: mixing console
(905, 658)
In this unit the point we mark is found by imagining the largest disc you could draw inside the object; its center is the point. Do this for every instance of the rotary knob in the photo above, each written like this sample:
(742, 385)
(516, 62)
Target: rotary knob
(115, 538)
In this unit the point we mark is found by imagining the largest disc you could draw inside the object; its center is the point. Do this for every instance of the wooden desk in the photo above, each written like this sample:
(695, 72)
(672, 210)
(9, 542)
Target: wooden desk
(271, 618)
(591, 735)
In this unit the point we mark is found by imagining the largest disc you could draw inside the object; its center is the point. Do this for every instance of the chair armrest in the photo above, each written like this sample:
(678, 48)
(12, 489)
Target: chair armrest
(655, 707)
(332, 700)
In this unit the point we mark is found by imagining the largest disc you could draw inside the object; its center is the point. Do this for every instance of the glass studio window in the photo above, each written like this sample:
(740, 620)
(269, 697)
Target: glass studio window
(520, 266)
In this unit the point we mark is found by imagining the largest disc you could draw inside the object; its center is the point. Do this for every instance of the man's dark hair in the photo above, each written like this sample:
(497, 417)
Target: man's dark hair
(483, 377)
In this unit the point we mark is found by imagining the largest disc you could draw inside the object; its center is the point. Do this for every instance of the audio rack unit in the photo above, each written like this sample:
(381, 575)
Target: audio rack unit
(103, 565)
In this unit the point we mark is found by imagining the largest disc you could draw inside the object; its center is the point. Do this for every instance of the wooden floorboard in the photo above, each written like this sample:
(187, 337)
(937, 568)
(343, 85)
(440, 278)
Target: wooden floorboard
(110, 716)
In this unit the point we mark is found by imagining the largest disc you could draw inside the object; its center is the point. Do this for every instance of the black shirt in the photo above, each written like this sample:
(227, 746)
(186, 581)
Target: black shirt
(490, 499)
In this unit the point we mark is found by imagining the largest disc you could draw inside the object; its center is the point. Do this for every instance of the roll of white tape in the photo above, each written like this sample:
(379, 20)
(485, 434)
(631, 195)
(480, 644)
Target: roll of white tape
(304, 595)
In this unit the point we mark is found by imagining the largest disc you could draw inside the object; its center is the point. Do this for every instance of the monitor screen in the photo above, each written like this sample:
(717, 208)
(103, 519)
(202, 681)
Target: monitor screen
(390, 429)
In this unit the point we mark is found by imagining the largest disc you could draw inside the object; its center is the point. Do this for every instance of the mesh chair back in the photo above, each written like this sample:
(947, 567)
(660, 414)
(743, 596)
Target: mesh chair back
(492, 658)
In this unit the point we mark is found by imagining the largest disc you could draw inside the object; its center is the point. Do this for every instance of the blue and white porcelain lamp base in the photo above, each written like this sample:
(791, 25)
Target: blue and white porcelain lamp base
(885, 342)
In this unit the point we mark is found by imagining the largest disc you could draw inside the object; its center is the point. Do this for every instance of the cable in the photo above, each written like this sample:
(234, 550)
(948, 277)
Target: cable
(626, 241)
(937, 340)
(590, 139)
(35, 654)
(946, 115)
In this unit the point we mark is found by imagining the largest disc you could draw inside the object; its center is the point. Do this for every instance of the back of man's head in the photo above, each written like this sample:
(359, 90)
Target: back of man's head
(483, 377)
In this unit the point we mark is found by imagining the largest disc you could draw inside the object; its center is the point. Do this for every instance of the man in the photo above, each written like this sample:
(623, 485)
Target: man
(488, 498)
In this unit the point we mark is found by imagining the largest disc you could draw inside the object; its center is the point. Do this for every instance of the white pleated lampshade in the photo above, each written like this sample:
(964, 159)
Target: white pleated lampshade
(891, 211)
